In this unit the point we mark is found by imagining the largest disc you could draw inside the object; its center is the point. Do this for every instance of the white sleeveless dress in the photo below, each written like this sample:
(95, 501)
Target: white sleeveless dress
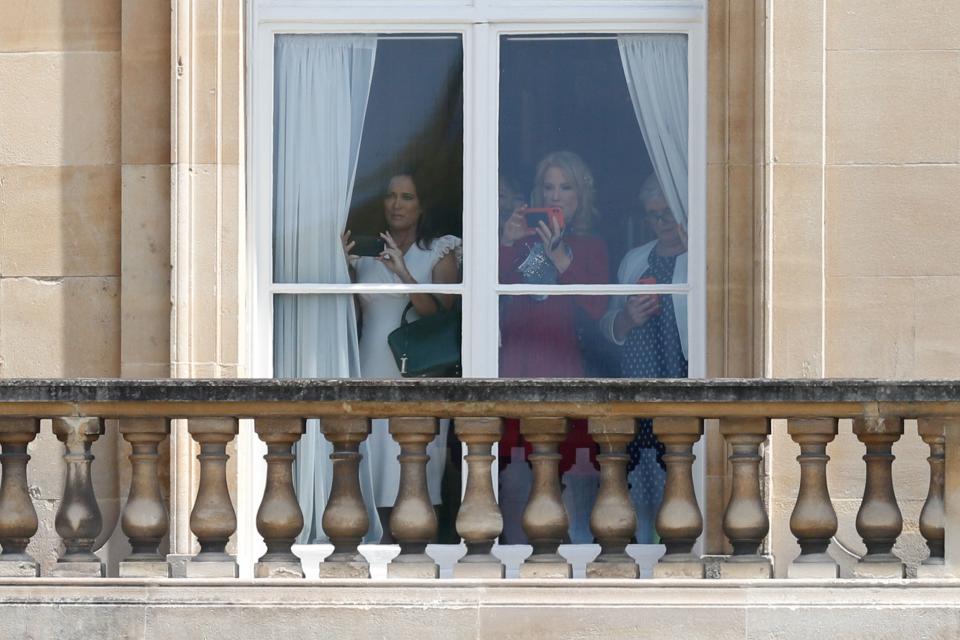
(381, 315)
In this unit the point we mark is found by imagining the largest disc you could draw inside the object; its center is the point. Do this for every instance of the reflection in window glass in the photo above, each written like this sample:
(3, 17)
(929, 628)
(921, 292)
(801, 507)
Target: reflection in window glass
(352, 112)
(593, 135)
(637, 336)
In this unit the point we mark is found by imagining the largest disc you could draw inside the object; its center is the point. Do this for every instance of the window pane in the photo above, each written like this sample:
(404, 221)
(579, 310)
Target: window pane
(593, 137)
(638, 336)
(343, 336)
(368, 137)
(641, 336)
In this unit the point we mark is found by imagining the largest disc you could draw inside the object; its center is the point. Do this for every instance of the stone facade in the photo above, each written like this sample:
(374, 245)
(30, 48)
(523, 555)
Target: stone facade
(833, 173)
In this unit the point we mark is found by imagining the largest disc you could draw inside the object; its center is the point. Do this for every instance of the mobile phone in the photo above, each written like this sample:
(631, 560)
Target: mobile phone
(367, 246)
(535, 216)
(651, 280)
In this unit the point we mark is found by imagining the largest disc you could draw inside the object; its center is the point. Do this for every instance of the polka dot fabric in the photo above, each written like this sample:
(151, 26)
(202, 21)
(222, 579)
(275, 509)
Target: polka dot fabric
(652, 350)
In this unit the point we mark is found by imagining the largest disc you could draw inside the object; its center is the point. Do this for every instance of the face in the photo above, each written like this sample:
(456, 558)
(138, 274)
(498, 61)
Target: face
(661, 219)
(401, 206)
(559, 191)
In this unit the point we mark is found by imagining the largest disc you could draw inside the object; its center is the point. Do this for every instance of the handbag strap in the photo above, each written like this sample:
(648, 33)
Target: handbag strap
(403, 317)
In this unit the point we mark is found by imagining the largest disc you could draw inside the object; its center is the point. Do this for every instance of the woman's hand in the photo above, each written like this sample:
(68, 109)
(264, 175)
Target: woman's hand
(515, 228)
(347, 243)
(392, 258)
(637, 311)
(556, 250)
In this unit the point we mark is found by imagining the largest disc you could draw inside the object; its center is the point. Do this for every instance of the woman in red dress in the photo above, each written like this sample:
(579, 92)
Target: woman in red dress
(538, 337)
(538, 333)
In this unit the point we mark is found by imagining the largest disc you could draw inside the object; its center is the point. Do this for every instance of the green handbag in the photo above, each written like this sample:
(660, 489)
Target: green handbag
(428, 347)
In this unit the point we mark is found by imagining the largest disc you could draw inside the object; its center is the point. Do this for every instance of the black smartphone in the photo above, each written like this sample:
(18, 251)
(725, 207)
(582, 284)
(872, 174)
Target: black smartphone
(367, 246)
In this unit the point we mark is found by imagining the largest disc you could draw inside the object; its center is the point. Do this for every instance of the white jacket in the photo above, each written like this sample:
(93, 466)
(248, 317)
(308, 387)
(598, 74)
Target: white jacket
(631, 269)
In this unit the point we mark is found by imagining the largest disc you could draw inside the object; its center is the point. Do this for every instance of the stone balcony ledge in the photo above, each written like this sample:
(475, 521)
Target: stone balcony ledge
(462, 397)
(399, 609)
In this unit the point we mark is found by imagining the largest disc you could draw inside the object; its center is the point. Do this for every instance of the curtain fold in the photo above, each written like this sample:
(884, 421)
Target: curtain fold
(655, 67)
(322, 84)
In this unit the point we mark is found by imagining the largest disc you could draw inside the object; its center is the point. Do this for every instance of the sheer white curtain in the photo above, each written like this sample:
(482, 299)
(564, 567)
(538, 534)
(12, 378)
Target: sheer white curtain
(322, 84)
(655, 66)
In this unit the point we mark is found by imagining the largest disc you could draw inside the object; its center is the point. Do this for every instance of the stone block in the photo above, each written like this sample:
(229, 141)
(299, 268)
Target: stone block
(884, 347)
(937, 350)
(277, 570)
(178, 564)
(479, 570)
(212, 569)
(798, 82)
(79, 210)
(859, 246)
(77, 570)
(60, 109)
(878, 570)
(813, 570)
(760, 569)
(872, 114)
(144, 569)
(546, 570)
(19, 569)
(675, 570)
(893, 24)
(613, 570)
(413, 570)
(742, 82)
(344, 570)
(145, 78)
(61, 25)
(932, 571)
(145, 282)
(63, 328)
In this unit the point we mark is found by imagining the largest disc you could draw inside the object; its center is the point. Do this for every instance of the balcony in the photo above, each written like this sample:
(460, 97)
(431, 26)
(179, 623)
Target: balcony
(685, 594)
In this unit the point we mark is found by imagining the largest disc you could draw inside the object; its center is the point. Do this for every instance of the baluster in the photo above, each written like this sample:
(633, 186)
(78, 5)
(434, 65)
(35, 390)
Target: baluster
(144, 519)
(745, 521)
(18, 518)
(813, 522)
(679, 521)
(279, 519)
(545, 519)
(479, 520)
(413, 521)
(345, 519)
(879, 521)
(213, 519)
(932, 517)
(613, 519)
(78, 521)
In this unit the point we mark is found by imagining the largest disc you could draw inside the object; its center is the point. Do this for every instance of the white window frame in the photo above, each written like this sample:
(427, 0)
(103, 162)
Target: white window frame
(480, 24)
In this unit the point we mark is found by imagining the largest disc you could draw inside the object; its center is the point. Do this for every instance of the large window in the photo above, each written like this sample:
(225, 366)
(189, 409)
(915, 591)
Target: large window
(537, 166)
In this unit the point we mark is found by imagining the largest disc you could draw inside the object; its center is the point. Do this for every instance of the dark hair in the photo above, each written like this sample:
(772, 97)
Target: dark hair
(425, 232)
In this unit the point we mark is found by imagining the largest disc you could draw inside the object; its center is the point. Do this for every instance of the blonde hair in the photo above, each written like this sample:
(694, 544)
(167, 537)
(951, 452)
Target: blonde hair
(579, 174)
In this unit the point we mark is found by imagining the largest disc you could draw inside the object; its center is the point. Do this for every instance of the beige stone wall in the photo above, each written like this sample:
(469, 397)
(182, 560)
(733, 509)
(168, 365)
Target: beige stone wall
(84, 213)
(865, 212)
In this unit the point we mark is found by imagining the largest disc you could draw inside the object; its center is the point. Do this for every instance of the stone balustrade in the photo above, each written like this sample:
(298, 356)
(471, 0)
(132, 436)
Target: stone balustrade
(746, 411)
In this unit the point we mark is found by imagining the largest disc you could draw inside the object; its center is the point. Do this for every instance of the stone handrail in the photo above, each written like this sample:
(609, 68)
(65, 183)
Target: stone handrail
(280, 408)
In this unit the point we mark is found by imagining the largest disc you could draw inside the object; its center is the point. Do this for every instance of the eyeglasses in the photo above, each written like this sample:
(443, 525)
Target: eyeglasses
(662, 217)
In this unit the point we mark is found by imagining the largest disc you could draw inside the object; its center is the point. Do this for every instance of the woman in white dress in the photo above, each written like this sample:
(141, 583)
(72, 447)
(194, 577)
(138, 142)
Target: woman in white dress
(410, 256)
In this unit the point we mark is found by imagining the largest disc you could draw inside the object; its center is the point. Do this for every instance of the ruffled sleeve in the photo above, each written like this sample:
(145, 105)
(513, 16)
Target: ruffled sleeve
(444, 245)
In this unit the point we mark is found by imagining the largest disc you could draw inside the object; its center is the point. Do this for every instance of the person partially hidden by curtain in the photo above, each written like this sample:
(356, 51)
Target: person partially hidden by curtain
(652, 332)
(410, 255)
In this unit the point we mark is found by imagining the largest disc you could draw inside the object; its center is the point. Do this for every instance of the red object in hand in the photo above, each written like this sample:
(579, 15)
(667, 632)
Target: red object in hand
(651, 280)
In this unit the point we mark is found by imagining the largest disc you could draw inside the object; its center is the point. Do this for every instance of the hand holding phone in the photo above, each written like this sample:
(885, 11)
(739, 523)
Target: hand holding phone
(367, 246)
(534, 216)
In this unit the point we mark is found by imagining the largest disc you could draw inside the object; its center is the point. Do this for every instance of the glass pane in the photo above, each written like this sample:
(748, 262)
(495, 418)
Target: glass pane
(343, 336)
(639, 336)
(368, 137)
(593, 141)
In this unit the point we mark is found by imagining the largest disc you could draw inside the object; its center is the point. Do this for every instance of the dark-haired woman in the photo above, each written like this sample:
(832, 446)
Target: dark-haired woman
(410, 256)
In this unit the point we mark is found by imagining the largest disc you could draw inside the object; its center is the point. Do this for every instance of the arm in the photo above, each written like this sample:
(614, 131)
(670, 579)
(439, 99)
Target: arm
(446, 271)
